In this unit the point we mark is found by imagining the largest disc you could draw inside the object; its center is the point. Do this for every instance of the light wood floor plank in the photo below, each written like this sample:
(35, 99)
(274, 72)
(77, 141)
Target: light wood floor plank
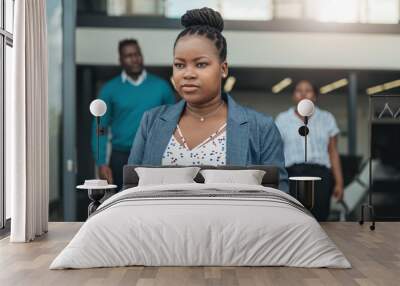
(374, 255)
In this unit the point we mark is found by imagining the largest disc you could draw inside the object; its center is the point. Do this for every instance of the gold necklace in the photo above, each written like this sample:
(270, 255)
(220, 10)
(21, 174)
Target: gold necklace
(203, 117)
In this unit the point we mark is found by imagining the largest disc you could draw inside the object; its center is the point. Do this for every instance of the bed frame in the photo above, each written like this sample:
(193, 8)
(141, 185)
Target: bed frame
(270, 179)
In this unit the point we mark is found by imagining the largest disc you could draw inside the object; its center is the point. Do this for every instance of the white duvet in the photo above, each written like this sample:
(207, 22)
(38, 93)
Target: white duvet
(183, 231)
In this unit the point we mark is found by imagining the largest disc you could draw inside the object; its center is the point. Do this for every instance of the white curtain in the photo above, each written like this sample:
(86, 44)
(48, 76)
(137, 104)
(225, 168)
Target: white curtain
(27, 124)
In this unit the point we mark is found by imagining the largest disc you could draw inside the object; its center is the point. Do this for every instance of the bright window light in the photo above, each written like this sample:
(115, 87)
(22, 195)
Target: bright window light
(383, 11)
(176, 8)
(229, 9)
(289, 9)
(247, 10)
(341, 11)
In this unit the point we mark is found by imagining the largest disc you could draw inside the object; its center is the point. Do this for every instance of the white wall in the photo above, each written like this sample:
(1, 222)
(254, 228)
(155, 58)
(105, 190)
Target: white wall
(252, 49)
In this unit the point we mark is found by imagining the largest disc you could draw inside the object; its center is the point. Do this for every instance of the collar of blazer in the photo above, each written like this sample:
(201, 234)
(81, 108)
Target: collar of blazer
(237, 132)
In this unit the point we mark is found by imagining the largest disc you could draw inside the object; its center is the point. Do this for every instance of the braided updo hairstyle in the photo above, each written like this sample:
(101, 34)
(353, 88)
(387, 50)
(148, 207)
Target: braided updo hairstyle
(208, 23)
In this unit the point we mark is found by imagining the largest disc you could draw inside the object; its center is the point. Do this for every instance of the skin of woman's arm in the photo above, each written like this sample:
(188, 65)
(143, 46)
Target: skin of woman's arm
(336, 168)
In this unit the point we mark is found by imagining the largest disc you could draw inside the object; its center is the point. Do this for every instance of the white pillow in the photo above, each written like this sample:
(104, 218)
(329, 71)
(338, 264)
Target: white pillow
(166, 176)
(248, 177)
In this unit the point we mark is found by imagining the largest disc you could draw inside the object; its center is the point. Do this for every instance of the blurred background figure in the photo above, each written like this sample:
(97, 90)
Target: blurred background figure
(127, 96)
(323, 156)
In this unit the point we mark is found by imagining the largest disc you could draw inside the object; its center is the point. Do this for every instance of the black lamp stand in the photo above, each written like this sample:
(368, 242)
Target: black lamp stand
(99, 132)
(303, 131)
(304, 189)
(95, 195)
(369, 205)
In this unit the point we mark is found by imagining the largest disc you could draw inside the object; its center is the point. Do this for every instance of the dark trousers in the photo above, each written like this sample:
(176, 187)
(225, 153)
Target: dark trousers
(117, 161)
(323, 189)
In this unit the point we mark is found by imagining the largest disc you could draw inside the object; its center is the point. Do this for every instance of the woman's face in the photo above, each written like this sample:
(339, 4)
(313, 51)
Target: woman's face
(197, 69)
(304, 90)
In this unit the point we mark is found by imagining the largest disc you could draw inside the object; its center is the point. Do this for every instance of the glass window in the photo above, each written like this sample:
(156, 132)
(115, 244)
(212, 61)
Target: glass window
(116, 7)
(340, 11)
(9, 9)
(145, 7)
(229, 9)
(288, 9)
(6, 67)
(383, 11)
(176, 8)
(2, 175)
(134, 7)
(54, 13)
(354, 11)
(8, 90)
(246, 10)
(1, 15)
(344, 11)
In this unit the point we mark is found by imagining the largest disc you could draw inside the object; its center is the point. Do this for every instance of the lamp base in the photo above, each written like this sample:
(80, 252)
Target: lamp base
(371, 214)
(96, 190)
(304, 190)
(95, 195)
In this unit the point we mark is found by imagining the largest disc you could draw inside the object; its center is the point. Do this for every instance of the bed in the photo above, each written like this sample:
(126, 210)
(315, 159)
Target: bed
(198, 224)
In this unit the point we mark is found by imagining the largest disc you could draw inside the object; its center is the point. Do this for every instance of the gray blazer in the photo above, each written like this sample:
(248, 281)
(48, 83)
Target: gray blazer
(252, 138)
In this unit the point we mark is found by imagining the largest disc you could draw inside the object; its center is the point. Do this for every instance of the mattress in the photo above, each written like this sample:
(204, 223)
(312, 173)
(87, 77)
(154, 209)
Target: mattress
(201, 225)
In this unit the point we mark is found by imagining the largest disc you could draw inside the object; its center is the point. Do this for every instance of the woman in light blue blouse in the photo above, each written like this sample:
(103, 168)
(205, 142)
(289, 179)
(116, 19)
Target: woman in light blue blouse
(207, 127)
(322, 154)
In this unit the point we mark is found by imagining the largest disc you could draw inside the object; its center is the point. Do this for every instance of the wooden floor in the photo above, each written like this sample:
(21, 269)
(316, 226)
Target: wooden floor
(375, 256)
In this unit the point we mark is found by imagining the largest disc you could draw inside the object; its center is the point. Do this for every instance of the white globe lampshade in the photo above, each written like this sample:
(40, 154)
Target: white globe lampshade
(305, 108)
(98, 107)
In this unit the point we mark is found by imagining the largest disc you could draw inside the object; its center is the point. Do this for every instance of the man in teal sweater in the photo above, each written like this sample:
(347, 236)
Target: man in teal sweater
(127, 96)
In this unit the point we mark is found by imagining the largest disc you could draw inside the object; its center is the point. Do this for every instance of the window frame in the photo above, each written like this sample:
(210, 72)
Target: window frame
(6, 39)
(307, 22)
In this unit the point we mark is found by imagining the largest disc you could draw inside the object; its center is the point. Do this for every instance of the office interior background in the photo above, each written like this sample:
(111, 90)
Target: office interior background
(347, 48)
